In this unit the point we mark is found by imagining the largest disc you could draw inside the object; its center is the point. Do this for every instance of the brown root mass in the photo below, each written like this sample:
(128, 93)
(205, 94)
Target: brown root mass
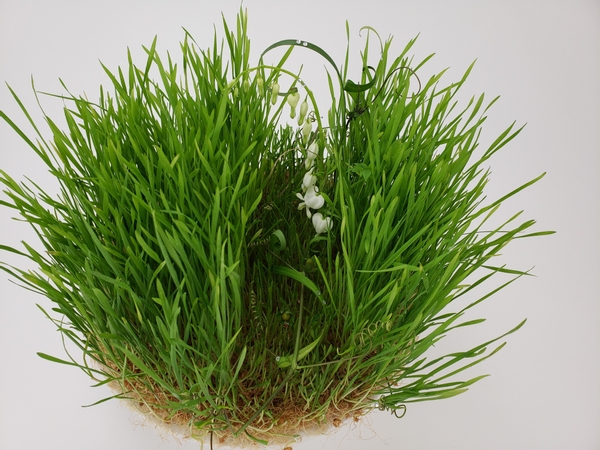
(282, 421)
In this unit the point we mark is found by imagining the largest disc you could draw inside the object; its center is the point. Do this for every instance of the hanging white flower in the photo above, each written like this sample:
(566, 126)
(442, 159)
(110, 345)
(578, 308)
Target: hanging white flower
(293, 100)
(306, 129)
(321, 224)
(308, 181)
(309, 163)
(311, 200)
(311, 155)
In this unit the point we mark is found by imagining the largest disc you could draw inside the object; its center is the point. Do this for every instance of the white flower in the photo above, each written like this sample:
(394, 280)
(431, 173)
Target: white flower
(311, 155)
(304, 108)
(311, 200)
(306, 129)
(321, 224)
(293, 100)
(308, 181)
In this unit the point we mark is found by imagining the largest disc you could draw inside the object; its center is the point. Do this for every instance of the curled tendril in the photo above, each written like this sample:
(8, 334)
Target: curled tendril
(361, 109)
(347, 85)
(393, 409)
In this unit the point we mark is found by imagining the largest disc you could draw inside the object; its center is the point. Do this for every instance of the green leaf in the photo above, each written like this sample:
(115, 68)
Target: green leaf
(117, 396)
(299, 277)
(56, 360)
(287, 361)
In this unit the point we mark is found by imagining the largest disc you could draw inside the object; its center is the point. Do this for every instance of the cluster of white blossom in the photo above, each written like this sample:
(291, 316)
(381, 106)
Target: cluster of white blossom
(310, 197)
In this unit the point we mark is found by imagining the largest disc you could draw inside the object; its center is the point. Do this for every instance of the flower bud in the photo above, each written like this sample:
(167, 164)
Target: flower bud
(274, 93)
(310, 265)
(259, 84)
(313, 150)
(311, 154)
(303, 111)
(306, 129)
(304, 108)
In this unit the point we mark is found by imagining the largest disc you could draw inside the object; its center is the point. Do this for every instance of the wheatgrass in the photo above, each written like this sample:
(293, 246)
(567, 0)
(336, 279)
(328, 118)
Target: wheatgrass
(179, 264)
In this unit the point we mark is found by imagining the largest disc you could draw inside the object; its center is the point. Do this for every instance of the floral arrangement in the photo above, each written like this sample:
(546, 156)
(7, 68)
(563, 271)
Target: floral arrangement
(234, 276)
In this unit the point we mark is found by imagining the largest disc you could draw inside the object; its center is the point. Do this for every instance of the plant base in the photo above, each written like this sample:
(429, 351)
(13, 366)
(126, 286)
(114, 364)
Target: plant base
(284, 424)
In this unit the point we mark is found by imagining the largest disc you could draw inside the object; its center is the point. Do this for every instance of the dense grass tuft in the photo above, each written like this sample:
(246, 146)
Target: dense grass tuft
(178, 261)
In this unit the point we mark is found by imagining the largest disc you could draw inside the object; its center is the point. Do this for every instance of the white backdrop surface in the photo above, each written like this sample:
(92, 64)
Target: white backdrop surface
(541, 56)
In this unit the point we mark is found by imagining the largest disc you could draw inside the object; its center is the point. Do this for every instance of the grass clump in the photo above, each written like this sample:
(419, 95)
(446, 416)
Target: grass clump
(179, 263)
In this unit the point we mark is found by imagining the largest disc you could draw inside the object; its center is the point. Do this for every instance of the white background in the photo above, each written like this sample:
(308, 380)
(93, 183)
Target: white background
(541, 56)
